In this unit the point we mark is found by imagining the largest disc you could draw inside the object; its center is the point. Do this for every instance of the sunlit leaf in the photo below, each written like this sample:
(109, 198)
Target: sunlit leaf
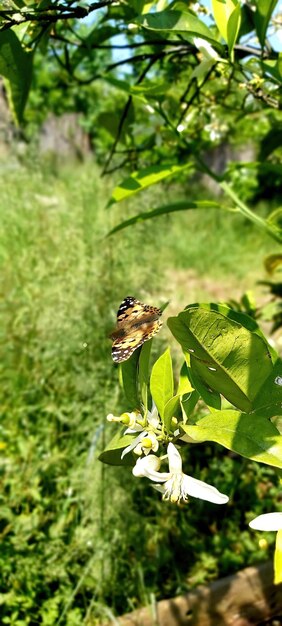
(161, 383)
(227, 14)
(228, 357)
(171, 409)
(254, 437)
(184, 384)
(269, 397)
(143, 371)
(165, 210)
(177, 22)
(211, 398)
(145, 178)
(262, 15)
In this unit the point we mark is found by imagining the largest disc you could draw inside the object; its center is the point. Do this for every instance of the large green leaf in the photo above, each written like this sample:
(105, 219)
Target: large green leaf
(145, 178)
(184, 383)
(269, 398)
(129, 380)
(227, 356)
(188, 403)
(227, 14)
(211, 398)
(262, 15)
(144, 377)
(161, 382)
(177, 22)
(16, 68)
(253, 437)
(113, 451)
(164, 210)
(171, 409)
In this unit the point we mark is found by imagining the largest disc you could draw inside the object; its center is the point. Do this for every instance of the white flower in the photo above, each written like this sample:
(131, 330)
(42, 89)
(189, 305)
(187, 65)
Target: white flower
(272, 521)
(129, 419)
(147, 444)
(147, 440)
(268, 521)
(177, 485)
(206, 49)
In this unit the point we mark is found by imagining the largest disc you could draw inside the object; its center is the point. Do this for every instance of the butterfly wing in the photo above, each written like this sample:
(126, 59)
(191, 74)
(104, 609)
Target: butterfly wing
(136, 323)
(129, 309)
(123, 347)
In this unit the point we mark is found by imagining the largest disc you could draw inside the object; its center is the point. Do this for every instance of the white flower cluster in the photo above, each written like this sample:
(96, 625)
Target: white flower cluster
(174, 484)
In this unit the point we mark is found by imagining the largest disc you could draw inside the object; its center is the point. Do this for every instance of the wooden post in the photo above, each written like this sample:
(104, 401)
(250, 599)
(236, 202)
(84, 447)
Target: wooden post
(248, 598)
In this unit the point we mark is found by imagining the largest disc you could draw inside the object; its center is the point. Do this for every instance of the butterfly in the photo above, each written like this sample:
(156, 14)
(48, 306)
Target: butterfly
(136, 323)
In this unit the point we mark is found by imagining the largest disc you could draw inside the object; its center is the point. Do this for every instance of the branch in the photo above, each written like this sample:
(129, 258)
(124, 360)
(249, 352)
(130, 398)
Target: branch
(50, 15)
(124, 114)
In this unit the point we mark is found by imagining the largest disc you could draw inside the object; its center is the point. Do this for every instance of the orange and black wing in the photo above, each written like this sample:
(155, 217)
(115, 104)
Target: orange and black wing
(136, 323)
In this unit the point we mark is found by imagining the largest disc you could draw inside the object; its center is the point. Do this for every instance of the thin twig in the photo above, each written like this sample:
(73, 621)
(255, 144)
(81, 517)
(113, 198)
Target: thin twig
(124, 114)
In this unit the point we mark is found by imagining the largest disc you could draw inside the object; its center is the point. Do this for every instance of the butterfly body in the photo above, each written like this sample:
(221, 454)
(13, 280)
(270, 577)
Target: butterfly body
(136, 323)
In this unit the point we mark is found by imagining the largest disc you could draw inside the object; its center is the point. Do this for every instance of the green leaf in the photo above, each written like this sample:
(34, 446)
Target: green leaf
(145, 178)
(112, 453)
(233, 27)
(164, 210)
(269, 398)
(227, 356)
(144, 377)
(184, 384)
(253, 437)
(262, 15)
(227, 15)
(210, 397)
(146, 89)
(273, 67)
(171, 409)
(129, 380)
(161, 383)
(16, 68)
(177, 22)
(188, 403)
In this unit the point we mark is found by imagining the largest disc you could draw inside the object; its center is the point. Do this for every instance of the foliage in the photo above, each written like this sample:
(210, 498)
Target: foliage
(66, 553)
(156, 79)
(190, 81)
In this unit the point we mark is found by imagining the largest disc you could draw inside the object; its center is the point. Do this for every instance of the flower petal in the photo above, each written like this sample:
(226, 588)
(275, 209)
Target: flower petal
(268, 521)
(153, 417)
(174, 459)
(131, 431)
(133, 444)
(199, 489)
(148, 466)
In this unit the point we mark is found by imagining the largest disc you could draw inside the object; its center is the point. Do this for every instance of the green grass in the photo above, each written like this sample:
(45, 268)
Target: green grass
(69, 553)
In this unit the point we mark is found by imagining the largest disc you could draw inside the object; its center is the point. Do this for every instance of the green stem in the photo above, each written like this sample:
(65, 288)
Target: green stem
(250, 215)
